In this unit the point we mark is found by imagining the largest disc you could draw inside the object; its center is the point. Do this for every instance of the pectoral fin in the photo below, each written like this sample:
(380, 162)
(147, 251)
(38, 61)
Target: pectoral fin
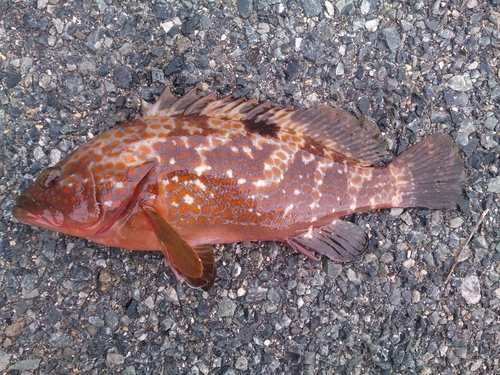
(341, 241)
(196, 265)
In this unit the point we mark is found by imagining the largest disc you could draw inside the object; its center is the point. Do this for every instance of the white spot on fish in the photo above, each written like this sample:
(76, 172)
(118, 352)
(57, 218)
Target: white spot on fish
(172, 161)
(313, 219)
(289, 208)
(234, 149)
(119, 184)
(309, 233)
(188, 199)
(307, 158)
(353, 204)
(202, 168)
(247, 150)
(200, 184)
(241, 181)
(397, 200)
(229, 173)
(296, 192)
(108, 203)
(260, 183)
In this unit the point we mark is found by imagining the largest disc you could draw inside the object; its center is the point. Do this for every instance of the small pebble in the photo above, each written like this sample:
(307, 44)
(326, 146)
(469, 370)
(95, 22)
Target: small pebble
(471, 289)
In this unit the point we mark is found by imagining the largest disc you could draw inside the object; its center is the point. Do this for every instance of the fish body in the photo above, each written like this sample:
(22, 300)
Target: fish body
(197, 171)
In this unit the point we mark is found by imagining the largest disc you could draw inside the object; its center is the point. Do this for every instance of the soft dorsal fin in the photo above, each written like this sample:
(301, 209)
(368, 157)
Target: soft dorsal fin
(333, 128)
(357, 139)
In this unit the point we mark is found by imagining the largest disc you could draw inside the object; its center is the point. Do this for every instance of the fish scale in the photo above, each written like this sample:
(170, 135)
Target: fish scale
(197, 171)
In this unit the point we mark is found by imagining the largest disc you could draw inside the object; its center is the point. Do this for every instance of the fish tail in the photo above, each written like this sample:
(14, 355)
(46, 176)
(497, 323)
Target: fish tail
(429, 174)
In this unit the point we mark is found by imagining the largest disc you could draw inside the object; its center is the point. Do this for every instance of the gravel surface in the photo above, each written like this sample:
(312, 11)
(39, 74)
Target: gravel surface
(68, 306)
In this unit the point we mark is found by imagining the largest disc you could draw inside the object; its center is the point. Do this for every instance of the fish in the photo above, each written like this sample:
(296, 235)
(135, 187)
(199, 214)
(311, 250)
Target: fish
(196, 171)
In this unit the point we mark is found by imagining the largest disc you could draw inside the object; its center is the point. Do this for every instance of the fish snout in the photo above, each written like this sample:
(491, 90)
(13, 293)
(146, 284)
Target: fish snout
(31, 212)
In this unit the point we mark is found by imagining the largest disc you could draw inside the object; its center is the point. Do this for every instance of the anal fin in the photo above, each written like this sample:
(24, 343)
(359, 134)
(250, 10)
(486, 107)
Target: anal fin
(341, 241)
(196, 265)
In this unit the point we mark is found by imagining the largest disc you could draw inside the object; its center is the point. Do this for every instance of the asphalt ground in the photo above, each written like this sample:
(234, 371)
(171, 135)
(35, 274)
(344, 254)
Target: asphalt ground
(69, 306)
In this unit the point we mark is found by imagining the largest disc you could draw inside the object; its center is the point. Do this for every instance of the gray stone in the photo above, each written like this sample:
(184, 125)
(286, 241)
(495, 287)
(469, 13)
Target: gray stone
(312, 8)
(130, 370)
(96, 321)
(372, 25)
(101, 4)
(333, 269)
(353, 278)
(80, 273)
(329, 8)
(494, 18)
(74, 84)
(163, 11)
(26, 365)
(488, 140)
(456, 222)
(60, 340)
(245, 8)
(226, 308)
(466, 128)
(109, 86)
(416, 238)
(114, 359)
(440, 117)
(395, 297)
(392, 38)
(4, 360)
(471, 4)
(38, 153)
(460, 83)
(122, 76)
(256, 294)
(241, 364)
(494, 185)
(339, 70)
(490, 123)
(346, 7)
(367, 6)
(471, 289)
(318, 279)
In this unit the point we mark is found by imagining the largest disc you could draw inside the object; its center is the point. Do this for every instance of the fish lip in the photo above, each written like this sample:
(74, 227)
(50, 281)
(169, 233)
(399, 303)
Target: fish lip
(28, 211)
(19, 212)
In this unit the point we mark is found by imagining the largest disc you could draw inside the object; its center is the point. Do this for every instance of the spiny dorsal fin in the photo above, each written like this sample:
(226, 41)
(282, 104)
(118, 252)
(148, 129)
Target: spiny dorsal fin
(335, 129)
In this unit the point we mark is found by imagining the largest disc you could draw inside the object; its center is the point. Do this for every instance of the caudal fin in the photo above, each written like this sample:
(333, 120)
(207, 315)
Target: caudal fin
(430, 174)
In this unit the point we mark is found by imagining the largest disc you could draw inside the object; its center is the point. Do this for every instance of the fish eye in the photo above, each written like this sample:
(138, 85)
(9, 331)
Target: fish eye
(49, 177)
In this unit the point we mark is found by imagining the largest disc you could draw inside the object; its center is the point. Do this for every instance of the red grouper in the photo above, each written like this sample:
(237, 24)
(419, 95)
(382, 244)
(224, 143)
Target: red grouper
(197, 171)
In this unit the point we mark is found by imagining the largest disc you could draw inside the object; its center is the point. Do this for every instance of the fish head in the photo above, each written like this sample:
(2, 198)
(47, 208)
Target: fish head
(62, 198)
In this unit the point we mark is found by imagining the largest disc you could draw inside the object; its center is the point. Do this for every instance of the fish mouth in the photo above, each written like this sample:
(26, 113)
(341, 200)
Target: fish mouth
(30, 212)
